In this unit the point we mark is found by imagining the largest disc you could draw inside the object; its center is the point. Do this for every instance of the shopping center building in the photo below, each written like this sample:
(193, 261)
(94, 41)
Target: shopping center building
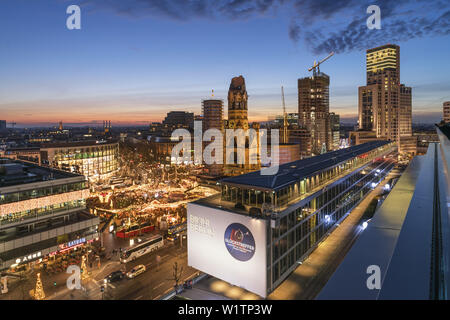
(42, 212)
(258, 230)
(93, 159)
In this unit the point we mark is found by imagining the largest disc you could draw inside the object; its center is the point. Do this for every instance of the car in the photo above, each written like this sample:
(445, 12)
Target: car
(136, 271)
(114, 276)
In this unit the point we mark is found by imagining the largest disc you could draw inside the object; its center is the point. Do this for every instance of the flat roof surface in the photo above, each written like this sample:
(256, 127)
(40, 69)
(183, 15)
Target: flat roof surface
(30, 174)
(71, 144)
(297, 170)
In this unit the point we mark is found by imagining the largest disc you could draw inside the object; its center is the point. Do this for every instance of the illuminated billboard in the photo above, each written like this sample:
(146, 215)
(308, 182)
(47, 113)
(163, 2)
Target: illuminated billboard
(228, 246)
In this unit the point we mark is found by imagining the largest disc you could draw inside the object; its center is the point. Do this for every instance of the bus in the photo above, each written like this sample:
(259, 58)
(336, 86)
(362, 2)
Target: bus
(134, 230)
(141, 248)
(174, 231)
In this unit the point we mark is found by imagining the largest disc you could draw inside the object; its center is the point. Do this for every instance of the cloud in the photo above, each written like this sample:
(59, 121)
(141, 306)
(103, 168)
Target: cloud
(324, 25)
(401, 20)
(186, 9)
(294, 32)
(356, 36)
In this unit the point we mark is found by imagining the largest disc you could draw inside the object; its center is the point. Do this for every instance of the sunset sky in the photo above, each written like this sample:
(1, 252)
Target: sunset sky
(133, 61)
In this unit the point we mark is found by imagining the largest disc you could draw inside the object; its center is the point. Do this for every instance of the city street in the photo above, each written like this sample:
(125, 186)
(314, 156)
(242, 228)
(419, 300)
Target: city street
(156, 281)
(152, 284)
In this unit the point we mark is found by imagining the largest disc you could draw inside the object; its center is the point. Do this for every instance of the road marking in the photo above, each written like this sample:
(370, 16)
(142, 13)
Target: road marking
(158, 286)
(138, 298)
(112, 286)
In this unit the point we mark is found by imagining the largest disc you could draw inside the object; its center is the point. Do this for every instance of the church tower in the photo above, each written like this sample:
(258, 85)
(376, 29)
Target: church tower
(237, 104)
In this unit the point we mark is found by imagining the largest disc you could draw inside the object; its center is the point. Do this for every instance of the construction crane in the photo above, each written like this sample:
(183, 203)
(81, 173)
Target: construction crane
(315, 68)
(285, 121)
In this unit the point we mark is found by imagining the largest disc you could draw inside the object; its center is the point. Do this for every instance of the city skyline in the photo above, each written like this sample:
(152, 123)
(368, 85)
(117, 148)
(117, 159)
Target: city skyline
(121, 66)
(224, 150)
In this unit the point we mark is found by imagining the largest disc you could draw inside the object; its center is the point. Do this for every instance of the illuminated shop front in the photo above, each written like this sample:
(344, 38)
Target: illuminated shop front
(95, 160)
(284, 216)
(42, 212)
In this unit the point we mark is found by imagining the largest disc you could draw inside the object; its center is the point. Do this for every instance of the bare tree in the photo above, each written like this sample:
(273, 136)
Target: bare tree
(176, 274)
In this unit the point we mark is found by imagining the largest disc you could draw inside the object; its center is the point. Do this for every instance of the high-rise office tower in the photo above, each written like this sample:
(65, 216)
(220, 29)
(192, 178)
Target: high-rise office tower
(237, 104)
(335, 124)
(381, 62)
(405, 113)
(213, 119)
(384, 104)
(446, 110)
(179, 119)
(313, 110)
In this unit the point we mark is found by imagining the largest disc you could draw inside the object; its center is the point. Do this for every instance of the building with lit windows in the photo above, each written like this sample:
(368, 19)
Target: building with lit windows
(212, 110)
(385, 105)
(335, 124)
(313, 110)
(179, 119)
(24, 154)
(93, 159)
(257, 230)
(446, 112)
(42, 212)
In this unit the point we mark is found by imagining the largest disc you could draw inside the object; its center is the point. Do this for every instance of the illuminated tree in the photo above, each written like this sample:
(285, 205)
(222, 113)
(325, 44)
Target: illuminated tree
(39, 290)
(84, 272)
